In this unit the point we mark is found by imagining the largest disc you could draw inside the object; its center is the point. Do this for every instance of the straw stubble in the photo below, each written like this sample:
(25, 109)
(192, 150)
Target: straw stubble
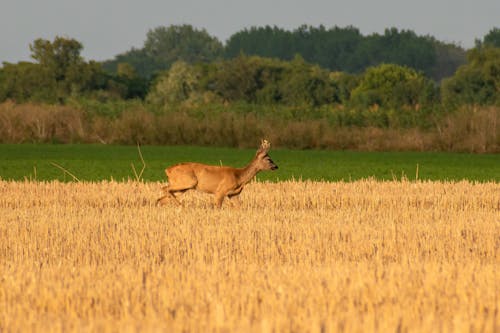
(290, 256)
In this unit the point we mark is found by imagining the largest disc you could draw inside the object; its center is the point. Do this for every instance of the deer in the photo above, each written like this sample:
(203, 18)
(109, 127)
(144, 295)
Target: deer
(221, 181)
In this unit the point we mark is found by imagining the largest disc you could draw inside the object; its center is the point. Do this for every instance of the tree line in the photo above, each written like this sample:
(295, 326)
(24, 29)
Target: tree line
(336, 49)
(185, 74)
(180, 63)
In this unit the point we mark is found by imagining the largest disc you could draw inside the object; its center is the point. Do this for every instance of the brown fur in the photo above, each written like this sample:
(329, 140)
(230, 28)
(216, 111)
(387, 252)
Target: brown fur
(222, 181)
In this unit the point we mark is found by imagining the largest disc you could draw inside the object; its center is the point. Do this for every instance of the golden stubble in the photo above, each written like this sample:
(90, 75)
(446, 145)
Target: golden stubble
(290, 256)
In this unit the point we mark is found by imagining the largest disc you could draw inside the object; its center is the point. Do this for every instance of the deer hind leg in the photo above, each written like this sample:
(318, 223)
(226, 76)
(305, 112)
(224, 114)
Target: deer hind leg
(167, 195)
(171, 189)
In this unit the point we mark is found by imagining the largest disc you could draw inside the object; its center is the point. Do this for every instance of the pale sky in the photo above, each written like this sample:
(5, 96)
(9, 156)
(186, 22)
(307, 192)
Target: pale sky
(109, 27)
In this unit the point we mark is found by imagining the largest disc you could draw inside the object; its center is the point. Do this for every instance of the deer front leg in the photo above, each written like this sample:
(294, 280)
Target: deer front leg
(220, 195)
(219, 198)
(234, 196)
(235, 192)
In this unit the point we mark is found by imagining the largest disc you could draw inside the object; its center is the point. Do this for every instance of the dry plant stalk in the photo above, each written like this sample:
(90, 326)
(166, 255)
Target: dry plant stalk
(138, 176)
(64, 170)
(294, 256)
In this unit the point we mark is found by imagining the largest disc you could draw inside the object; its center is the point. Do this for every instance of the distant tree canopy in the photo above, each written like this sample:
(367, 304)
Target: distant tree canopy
(174, 86)
(249, 79)
(166, 45)
(492, 38)
(60, 72)
(268, 81)
(335, 49)
(477, 82)
(305, 68)
(393, 86)
(345, 49)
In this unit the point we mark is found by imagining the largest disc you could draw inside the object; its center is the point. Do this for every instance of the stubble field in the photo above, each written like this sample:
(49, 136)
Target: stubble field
(290, 256)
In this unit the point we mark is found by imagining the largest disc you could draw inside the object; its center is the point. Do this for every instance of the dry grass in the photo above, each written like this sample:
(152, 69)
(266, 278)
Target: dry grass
(293, 256)
(469, 129)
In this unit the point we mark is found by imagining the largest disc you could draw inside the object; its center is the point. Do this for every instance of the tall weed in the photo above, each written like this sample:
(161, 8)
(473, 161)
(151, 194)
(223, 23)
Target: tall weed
(468, 129)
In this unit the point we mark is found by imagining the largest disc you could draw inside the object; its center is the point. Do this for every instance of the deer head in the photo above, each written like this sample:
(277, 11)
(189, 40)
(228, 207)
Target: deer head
(262, 158)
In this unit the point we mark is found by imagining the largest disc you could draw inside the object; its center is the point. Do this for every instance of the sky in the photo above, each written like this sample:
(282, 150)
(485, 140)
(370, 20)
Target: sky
(107, 28)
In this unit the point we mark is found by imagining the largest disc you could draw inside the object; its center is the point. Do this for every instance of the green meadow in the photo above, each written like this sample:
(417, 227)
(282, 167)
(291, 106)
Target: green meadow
(114, 162)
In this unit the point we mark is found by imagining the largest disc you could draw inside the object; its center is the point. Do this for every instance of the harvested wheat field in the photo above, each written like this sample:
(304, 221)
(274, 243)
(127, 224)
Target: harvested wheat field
(365, 256)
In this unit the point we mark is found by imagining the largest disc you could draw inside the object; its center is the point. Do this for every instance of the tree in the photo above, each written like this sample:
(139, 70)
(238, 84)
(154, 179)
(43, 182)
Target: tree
(26, 81)
(236, 79)
(175, 85)
(166, 45)
(270, 81)
(477, 82)
(59, 56)
(60, 72)
(448, 58)
(143, 65)
(61, 62)
(272, 42)
(392, 86)
(342, 48)
(305, 84)
(492, 38)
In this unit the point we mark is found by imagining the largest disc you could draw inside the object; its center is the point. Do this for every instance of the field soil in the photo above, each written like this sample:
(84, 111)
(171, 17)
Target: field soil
(364, 256)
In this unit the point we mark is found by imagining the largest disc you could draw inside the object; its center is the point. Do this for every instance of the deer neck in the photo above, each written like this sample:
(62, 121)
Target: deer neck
(247, 173)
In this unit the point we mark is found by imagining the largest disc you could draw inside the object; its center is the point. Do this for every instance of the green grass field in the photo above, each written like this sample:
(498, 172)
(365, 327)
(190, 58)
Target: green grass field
(101, 162)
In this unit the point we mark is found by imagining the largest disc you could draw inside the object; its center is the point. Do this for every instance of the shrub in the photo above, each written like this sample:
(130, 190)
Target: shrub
(477, 82)
(392, 86)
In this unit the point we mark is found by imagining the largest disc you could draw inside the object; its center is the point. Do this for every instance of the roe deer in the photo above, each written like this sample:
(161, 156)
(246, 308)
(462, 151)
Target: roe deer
(222, 181)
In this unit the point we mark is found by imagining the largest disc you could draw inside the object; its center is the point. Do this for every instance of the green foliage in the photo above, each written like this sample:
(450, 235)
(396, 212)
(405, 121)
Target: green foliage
(175, 85)
(345, 49)
(448, 58)
(336, 49)
(403, 48)
(27, 81)
(343, 84)
(236, 79)
(130, 85)
(61, 62)
(267, 81)
(492, 38)
(60, 72)
(304, 84)
(195, 81)
(166, 45)
(109, 108)
(392, 86)
(143, 65)
(477, 82)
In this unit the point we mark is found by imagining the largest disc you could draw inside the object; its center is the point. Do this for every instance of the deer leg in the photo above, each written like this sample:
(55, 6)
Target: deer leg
(170, 191)
(233, 196)
(234, 201)
(219, 198)
(236, 192)
(168, 195)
